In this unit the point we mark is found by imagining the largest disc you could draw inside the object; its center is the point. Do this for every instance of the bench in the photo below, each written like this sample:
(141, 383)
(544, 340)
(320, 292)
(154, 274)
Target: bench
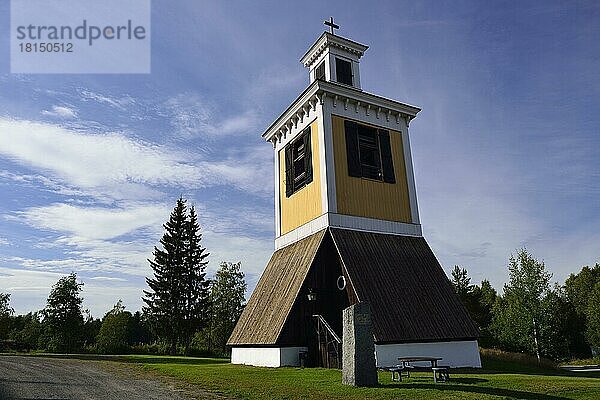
(397, 369)
(409, 368)
(441, 373)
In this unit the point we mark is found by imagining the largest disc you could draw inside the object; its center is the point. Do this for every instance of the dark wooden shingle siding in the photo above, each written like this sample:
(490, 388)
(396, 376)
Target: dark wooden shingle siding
(411, 297)
(271, 302)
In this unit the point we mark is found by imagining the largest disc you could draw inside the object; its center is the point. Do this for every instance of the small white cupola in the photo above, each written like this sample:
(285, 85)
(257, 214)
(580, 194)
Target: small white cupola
(333, 58)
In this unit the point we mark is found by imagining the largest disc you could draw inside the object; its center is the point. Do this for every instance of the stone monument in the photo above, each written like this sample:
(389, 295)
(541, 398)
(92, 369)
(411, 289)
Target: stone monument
(358, 346)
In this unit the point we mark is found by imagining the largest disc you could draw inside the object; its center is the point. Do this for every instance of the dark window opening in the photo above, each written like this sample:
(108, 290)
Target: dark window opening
(369, 155)
(369, 152)
(343, 70)
(298, 163)
(320, 72)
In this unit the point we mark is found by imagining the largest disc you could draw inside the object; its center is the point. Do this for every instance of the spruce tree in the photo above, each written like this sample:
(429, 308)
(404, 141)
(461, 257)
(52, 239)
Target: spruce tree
(196, 286)
(165, 301)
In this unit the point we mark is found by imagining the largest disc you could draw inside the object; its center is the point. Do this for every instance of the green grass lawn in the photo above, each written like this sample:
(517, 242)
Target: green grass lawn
(499, 379)
(504, 376)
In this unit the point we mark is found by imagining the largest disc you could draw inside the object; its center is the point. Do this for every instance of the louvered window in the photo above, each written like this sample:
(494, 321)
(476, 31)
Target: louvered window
(343, 71)
(369, 152)
(298, 163)
(320, 72)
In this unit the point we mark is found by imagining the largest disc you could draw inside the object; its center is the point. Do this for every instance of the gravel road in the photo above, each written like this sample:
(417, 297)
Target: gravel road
(55, 378)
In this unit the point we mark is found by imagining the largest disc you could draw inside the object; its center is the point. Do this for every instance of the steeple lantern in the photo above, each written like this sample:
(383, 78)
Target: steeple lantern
(333, 58)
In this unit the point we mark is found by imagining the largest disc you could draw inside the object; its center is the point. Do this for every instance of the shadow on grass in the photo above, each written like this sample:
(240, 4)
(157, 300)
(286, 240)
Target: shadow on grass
(506, 393)
(469, 381)
(498, 362)
(522, 370)
(133, 359)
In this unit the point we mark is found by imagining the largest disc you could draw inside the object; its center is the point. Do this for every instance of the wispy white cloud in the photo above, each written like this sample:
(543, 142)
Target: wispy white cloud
(34, 277)
(107, 278)
(38, 182)
(28, 289)
(249, 170)
(118, 102)
(116, 166)
(236, 220)
(121, 239)
(193, 116)
(4, 242)
(117, 239)
(61, 112)
(92, 160)
(96, 223)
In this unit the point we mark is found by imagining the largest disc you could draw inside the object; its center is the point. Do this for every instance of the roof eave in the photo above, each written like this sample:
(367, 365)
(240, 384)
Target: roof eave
(317, 88)
(356, 47)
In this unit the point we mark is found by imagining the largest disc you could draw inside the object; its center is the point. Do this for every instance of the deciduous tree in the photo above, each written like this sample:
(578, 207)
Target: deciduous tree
(27, 330)
(578, 290)
(6, 312)
(115, 332)
(63, 317)
(227, 302)
(593, 318)
(523, 313)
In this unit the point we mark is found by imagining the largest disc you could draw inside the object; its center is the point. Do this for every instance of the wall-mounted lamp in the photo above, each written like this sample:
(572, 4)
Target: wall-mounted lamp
(312, 296)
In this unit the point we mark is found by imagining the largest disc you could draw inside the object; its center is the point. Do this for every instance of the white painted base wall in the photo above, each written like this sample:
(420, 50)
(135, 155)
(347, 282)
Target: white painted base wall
(267, 356)
(454, 354)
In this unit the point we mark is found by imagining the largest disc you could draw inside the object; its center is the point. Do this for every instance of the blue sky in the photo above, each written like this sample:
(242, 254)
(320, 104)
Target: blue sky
(505, 150)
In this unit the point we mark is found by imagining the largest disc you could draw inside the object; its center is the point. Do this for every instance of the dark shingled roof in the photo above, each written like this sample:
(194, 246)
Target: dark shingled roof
(265, 314)
(410, 295)
(411, 298)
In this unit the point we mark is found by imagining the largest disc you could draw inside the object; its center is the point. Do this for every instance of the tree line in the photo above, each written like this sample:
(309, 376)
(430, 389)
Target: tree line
(184, 312)
(532, 315)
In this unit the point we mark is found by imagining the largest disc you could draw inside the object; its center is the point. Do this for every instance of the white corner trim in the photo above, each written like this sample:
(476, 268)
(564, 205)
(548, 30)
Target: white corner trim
(277, 195)
(410, 176)
(331, 199)
(324, 171)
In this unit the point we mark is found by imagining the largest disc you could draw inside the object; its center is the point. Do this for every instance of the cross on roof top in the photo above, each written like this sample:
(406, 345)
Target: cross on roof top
(331, 25)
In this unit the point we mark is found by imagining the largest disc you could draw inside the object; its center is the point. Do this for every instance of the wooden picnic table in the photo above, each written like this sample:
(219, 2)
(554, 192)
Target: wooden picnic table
(441, 370)
(407, 360)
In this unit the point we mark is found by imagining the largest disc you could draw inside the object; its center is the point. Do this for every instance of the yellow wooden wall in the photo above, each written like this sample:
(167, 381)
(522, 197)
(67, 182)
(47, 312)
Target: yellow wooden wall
(367, 197)
(305, 204)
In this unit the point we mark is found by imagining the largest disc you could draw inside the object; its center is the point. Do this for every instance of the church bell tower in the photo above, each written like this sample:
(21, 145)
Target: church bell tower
(342, 155)
(347, 229)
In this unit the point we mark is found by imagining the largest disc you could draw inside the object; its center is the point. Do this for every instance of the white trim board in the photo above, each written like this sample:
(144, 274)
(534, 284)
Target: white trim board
(347, 222)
